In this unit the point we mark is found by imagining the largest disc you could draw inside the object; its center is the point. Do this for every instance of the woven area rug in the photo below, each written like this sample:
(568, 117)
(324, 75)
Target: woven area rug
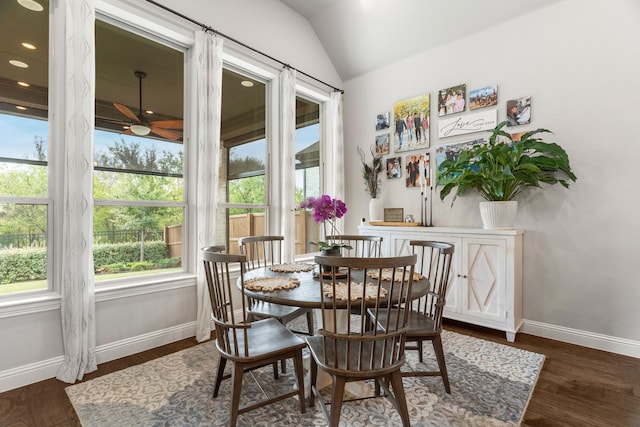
(490, 386)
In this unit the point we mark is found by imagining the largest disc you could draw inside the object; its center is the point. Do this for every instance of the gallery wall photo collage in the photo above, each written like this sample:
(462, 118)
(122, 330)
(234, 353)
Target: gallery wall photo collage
(403, 134)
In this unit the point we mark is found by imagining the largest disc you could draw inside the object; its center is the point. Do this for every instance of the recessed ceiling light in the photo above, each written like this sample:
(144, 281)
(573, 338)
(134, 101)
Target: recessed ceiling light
(31, 5)
(246, 83)
(29, 46)
(18, 64)
(24, 84)
(149, 111)
(20, 107)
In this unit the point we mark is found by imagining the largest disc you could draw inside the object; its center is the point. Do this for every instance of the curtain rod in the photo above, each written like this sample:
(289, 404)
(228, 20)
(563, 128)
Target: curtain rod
(208, 28)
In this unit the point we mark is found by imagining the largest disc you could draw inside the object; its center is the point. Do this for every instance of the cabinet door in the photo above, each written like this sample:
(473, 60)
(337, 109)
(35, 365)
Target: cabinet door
(483, 278)
(400, 246)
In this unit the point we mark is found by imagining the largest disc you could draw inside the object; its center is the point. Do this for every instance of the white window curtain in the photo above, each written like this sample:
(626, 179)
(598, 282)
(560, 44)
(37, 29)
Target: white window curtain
(73, 243)
(208, 50)
(288, 166)
(336, 142)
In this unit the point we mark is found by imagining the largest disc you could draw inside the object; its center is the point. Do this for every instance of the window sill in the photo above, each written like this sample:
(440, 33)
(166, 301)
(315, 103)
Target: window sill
(125, 290)
(22, 305)
(28, 304)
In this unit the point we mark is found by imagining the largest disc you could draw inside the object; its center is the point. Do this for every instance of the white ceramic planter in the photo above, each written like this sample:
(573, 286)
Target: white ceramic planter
(376, 210)
(498, 215)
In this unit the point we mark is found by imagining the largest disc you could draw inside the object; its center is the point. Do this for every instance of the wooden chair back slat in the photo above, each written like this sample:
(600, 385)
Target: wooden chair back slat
(230, 326)
(261, 251)
(362, 246)
(435, 263)
(360, 348)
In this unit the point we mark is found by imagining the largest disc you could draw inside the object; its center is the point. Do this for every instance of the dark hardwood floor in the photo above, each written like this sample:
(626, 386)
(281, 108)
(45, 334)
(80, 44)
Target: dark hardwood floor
(578, 386)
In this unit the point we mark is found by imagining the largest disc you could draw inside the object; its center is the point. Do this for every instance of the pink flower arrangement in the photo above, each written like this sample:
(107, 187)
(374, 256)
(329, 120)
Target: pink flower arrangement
(326, 210)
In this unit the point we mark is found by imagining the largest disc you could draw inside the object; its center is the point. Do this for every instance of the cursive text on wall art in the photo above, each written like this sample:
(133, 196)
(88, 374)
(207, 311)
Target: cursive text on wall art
(469, 123)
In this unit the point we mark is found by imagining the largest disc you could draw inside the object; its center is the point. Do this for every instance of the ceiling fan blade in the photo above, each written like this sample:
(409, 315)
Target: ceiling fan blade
(126, 111)
(165, 133)
(167, 124)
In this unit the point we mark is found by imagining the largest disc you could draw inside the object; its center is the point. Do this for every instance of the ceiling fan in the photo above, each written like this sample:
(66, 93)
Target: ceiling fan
(141, 126)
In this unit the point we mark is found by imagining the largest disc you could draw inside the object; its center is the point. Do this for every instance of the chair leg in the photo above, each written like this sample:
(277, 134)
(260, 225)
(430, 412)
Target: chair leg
(313, 370)
(236, 378)
(275, 370)
(283, 362)
(297, 366)
(222, 363)
(419, 344)
(377, 388)
(369, 325)
(398, 391)
(310, 322)
(437, 347)
(337, 394)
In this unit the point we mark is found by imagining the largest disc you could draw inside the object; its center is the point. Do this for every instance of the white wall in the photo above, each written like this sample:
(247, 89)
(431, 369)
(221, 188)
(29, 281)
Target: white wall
(580, 63)
(154, 314)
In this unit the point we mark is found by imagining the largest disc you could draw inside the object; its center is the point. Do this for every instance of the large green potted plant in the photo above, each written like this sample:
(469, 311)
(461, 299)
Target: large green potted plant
(501, 169)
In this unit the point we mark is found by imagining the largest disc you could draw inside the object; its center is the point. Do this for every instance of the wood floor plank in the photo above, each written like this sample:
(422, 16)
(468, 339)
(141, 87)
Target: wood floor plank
(578, 386)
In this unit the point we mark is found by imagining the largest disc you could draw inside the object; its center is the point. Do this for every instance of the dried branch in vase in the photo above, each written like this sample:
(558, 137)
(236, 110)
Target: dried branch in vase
(371, 172)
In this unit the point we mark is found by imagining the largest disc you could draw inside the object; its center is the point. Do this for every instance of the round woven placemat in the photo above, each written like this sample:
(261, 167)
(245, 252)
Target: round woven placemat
(387, 272)
(268, 284)
(371, 291)
(294, 267)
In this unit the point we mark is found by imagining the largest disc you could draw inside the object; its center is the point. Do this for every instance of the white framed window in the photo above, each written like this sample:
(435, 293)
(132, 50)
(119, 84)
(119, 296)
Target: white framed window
(140, 203)
(25, 201)
(142, 183)
(308, 149)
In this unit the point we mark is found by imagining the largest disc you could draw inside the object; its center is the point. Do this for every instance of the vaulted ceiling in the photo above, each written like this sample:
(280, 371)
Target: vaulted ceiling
(362, 35)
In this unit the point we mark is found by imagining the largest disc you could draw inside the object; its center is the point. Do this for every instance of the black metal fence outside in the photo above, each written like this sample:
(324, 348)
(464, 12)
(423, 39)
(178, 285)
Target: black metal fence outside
(39, 240)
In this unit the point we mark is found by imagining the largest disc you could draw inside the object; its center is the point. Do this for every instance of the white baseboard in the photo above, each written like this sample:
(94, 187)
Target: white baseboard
(45, 369)
(29, 374)
(133, 345)
(617, 345)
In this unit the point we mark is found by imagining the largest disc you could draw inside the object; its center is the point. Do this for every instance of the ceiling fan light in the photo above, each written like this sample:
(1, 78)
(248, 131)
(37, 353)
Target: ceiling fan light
(18, 64)
(139, 129)
(31, 5)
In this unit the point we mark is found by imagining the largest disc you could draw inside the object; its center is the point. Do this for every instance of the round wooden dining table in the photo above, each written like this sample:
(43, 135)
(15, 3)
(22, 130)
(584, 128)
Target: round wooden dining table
(307, 293)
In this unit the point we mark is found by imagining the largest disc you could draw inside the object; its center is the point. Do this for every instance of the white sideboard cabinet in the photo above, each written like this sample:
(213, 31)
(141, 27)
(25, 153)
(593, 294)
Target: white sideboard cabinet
(485, 285)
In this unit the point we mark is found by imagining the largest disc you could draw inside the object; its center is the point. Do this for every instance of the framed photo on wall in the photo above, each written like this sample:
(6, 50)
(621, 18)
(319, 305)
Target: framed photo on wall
(383, 121)
(484, 97)
(418, 171)
(411, 119)
(382, 144)
(452, 100)
(519, 111)
(451, 152)
(394, 167)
